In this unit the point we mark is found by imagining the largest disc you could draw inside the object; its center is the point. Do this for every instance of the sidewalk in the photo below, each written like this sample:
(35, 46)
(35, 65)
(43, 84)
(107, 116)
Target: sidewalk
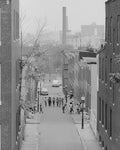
(31, 133)
(86, 135)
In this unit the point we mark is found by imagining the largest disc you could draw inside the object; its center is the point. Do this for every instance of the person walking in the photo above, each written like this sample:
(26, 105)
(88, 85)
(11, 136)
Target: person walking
(57, 101)
(45, 102)
(62, 101)
(63, 108)
(71, 109)
(53, 101)
(49, 101)
(41, 110)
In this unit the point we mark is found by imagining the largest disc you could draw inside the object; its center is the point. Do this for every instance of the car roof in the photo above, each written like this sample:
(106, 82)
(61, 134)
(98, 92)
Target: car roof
(44, 89)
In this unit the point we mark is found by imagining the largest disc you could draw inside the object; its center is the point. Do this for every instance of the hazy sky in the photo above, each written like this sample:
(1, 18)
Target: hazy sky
(78, 11)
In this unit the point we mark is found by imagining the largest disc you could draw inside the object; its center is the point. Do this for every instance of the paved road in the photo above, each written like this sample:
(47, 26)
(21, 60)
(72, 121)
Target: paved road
(53, 91)
(58, 132)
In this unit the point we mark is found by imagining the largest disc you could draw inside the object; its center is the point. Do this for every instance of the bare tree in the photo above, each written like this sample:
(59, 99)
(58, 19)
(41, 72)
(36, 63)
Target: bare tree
(39, 32)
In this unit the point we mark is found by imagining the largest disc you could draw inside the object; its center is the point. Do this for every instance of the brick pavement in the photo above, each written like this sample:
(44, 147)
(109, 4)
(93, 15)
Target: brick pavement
(86, 135)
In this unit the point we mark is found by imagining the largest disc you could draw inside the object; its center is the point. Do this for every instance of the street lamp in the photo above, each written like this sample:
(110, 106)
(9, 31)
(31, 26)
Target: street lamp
(38, 100)
(82, 101)
(39, 91)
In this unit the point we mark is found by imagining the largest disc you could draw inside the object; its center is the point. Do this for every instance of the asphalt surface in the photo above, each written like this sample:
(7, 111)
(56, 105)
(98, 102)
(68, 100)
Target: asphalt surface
(57, 131)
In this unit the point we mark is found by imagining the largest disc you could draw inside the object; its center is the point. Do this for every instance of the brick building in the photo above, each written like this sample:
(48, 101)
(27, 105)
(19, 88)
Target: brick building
(64, 71)
(108, 122)
(10, 71)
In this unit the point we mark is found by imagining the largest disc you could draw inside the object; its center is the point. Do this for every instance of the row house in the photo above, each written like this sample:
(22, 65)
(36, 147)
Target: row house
(108, 123)
(84, 76)
(71, 58)
(64, 71)
(10, 74)
(76, 70)
(68, 71)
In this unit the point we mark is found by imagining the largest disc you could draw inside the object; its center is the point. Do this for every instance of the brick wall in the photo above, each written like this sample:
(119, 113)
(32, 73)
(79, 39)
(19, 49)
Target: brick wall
(9, 53)
(110, 94)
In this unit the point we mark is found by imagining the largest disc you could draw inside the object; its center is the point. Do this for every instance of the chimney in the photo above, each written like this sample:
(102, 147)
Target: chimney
(67, 27)
(64, 26)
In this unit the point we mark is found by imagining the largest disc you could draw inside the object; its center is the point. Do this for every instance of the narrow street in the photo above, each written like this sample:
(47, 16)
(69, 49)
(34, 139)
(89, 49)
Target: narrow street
(57, 131)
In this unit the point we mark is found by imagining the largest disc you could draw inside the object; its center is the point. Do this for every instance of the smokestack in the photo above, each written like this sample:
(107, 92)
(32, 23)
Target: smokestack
(67, 27)
(64, 27)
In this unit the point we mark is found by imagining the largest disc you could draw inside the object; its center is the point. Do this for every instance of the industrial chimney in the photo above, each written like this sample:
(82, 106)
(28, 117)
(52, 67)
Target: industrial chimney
(64, 26)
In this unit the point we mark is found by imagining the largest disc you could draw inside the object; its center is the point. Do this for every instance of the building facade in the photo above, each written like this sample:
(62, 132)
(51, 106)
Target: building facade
(109, 90)
(84, 76)
(71, 62)
(65, 71)
(92, 35)
(10, 74)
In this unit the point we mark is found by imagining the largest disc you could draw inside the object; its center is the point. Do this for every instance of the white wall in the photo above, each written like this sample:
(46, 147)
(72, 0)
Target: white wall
(94, 85)
(94, 88)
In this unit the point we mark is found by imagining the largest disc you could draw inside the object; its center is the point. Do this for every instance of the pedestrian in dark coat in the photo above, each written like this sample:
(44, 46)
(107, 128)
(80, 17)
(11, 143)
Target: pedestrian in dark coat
(53, 101)
(57, 101)
(41, 110)
(63, 108)
(49, 101)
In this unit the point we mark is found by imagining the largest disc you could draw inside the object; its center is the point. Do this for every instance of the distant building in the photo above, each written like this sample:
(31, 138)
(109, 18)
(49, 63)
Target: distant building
(109, 82)
(92, 30)
(9, 75)
(92, 35)
(73, 40)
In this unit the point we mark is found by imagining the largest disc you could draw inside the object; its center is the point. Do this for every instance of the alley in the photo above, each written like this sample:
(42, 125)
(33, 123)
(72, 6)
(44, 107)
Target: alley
(57, 131)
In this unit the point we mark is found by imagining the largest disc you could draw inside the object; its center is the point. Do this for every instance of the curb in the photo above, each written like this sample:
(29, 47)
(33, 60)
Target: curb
(82, 141)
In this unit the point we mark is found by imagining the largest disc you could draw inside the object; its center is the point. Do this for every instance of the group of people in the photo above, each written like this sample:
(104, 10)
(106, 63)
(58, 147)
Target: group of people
(60, 102)
(52, 101)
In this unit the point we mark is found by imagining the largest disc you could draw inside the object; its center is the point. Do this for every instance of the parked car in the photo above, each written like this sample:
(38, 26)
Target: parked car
(55, 83)
(44, 91)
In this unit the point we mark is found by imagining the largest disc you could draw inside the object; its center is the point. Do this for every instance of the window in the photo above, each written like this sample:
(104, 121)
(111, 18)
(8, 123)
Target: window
(113, 93)
(102, 112)
(110, 122)
(111, 29)
(16, 25)
(118, 28)
(99, 109)
(99, 138)
(105, 116)
(106, 29)
(99, 67)
(102, 68)
(102, 144)
(113, 40)
(110, 70)
(105, 69)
